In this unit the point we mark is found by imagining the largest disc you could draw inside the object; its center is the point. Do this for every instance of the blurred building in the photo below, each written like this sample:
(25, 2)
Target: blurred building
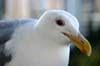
(34, 8)
(30, 8)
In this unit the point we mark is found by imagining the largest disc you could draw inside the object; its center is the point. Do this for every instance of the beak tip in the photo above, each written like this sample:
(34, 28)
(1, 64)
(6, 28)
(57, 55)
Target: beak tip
(89, 54)
(88, 51)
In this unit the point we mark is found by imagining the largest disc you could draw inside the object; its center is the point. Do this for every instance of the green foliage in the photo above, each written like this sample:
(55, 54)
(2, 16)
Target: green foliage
(82, 60)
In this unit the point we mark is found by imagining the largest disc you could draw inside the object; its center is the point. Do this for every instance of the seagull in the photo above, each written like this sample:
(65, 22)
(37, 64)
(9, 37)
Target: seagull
(41, 42)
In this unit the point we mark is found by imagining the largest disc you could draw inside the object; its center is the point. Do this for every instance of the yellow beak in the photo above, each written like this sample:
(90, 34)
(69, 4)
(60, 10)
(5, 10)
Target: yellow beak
(81, 43)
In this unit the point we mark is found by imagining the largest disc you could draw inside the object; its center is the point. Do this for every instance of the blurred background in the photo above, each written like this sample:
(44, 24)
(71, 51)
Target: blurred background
(86, 11)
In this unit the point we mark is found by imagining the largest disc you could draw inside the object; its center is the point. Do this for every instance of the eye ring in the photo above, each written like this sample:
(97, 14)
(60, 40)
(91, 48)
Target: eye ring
(60, 22)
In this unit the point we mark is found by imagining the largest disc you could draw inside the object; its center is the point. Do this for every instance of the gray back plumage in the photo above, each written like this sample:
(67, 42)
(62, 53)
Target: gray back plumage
(6, 30)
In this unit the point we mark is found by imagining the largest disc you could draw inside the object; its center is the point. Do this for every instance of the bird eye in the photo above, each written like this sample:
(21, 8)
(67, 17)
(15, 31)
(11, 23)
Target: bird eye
(60, 22)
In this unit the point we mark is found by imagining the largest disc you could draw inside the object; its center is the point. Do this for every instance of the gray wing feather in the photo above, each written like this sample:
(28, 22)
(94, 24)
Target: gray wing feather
(6, 30)
(8, 27)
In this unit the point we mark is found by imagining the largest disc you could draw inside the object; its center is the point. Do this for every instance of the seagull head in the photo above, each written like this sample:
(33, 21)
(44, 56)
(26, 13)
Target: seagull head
(62, 27)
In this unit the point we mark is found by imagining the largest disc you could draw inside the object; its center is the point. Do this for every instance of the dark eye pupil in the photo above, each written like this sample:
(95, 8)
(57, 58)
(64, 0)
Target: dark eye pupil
(60, 22)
